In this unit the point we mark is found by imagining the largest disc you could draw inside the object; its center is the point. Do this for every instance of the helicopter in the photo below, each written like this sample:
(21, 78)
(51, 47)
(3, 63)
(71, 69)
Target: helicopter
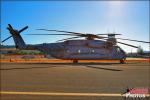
(93, 47)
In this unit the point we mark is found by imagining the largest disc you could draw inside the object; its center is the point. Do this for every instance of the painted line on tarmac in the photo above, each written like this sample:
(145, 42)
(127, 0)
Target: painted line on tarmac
(64, 94)
(60, 94)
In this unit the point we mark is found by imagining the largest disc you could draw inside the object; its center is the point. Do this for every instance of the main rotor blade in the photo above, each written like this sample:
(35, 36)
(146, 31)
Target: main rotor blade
(121, 43)
(62, 31)
(23, 29)
(108, 34)
(128, 44)
(130, 40)
(49, 34)
(133, 40)
(6, 39)
(68, 39)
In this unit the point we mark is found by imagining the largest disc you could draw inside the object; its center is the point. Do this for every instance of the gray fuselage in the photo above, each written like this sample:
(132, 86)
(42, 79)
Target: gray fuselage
(82, 50)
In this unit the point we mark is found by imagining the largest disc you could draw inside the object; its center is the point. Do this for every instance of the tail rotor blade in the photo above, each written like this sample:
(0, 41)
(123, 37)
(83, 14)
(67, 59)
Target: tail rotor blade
(9, 25)
(6, 39)
(23, 29)
(10, 28)
(13, 31)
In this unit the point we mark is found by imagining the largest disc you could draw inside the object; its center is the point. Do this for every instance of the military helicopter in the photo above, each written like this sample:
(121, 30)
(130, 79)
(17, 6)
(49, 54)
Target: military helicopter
(93, 47)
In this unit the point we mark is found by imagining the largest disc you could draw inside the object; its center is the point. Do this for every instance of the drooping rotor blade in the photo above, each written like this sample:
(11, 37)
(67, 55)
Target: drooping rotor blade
(6, 39)
(68, 38)
(120, 43)
(87, 35)
(62, 31)
(108, 34)
(49, 34)
(133, 40)
(130, 40)
(128, 44)
(23, 29)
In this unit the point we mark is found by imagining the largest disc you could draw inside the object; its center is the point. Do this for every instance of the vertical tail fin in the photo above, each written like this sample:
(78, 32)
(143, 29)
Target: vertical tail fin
(19, 42)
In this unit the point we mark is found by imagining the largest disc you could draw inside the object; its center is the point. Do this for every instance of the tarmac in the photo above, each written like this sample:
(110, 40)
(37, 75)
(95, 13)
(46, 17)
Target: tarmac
(67, 81)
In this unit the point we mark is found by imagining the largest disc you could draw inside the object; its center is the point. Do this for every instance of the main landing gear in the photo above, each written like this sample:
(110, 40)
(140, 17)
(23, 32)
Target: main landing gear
(75, 61)
(122, 61)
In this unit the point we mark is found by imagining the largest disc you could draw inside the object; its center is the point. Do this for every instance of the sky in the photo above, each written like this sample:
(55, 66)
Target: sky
(129, 18)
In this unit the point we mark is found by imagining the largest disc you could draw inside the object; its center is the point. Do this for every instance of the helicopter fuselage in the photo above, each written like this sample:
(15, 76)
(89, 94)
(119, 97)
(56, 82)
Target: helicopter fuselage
(82, 50)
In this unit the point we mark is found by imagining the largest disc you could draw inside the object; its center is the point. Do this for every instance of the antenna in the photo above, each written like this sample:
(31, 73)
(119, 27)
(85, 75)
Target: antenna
(114, 31)
(108, 31)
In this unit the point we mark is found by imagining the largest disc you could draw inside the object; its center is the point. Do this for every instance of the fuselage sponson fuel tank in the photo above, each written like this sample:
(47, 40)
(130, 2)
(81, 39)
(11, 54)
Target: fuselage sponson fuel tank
(82, 50)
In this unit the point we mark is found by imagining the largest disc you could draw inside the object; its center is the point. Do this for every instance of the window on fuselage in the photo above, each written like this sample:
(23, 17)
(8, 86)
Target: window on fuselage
(68, 51)
(93, 51)
(118, 49)
(79, 51)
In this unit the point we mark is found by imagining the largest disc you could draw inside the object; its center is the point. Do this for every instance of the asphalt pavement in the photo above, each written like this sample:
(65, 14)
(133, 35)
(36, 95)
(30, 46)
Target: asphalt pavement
(66, 81)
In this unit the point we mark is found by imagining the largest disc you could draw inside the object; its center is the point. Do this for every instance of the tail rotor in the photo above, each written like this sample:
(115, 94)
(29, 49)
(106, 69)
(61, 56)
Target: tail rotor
(19, 42)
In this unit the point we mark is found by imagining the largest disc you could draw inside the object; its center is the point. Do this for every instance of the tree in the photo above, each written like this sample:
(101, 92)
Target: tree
(140, 50)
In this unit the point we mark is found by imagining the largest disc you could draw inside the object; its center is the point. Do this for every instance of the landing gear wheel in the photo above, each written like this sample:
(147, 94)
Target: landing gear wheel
(122, 61)
(75, 61)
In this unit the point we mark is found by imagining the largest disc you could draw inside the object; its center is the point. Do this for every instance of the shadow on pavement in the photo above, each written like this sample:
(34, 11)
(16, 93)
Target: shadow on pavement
(104, 68)
(54, 65)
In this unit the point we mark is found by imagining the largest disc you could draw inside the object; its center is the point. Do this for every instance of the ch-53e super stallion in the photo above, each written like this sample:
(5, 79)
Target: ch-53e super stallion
(93, 47)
